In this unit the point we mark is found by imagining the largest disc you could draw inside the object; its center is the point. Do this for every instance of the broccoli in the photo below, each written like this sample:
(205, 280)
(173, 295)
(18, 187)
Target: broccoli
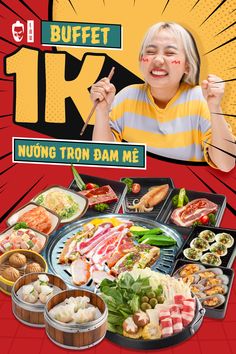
(101, 207)
(129, 182)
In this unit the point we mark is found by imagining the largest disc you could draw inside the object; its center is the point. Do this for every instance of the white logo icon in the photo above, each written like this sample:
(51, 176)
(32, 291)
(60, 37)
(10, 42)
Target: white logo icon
(18, 29)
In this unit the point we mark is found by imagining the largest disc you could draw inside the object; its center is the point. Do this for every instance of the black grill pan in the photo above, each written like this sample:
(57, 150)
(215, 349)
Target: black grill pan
(168, 208)
(118, 187)
(142, 344)
(145, 184)
(219, 312)
(56, 243)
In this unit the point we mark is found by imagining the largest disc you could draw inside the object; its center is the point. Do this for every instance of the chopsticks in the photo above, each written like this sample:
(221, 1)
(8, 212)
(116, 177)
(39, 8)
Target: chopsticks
(95, 105)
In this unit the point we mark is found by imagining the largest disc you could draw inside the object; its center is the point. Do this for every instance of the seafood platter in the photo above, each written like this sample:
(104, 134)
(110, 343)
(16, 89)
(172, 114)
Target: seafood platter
(196, 208)
(210, 284)
(100, 192)
(146, 196)
(210, 246)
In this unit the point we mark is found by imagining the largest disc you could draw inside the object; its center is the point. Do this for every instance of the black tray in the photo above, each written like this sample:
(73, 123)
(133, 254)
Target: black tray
(219, 312)
(142, 344)
(227, 260)
(118, 187)
(56, 243)
(146, 183)
(168, 208)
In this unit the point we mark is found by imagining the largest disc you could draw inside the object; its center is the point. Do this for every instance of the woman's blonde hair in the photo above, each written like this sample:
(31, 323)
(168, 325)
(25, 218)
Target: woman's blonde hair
(189, 45)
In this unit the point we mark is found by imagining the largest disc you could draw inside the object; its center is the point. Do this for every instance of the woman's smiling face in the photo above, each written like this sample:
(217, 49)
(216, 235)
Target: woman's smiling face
(163, 62)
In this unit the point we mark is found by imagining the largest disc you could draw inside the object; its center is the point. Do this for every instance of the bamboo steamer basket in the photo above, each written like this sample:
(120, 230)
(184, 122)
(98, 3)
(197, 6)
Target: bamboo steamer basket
(27, 313)
(6, 285)
(76, 336)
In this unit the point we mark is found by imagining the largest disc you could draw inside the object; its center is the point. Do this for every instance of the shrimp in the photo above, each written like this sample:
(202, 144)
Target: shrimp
(151, 198)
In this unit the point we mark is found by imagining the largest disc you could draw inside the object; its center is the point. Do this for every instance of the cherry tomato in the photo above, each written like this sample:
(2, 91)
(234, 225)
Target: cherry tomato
(136, 188)
(204, 219)
(91, 186)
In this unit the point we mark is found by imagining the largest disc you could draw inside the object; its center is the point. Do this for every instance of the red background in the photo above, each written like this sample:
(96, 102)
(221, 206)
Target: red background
(20, 182)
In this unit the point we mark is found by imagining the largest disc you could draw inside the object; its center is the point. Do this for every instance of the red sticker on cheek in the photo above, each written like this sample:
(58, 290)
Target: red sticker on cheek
(144, 59)
(175, 62)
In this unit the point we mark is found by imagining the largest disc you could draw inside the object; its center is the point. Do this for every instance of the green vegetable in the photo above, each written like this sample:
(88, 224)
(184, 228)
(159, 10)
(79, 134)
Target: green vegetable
(154, 231)
(122, 297)
(78, 180)
(129, 182)
(101, 207)
(181, 199)
(159, 290)
(69, 212)
(157, 240)
(21, 225)
(40, 199)
(197, 223)
(30, 244)
(212, 218)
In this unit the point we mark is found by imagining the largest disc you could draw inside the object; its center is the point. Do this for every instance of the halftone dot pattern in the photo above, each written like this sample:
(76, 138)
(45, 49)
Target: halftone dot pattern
(217, 62)
(54, 103)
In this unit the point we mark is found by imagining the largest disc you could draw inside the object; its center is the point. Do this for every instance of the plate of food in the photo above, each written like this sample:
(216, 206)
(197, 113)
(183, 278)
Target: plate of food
(20, 236)
(211, 285)
(150, 310)
(35, 216)
(67, 204)
(211, 246)
(88, 250)
(185, 209)
(104, 195)
(146, 196)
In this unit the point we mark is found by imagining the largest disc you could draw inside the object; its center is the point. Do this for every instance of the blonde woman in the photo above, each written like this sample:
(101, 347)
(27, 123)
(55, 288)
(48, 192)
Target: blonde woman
(174, 116)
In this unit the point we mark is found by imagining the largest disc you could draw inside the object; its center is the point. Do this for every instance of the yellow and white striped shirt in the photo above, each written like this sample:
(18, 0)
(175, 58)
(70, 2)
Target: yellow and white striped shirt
(178, 131)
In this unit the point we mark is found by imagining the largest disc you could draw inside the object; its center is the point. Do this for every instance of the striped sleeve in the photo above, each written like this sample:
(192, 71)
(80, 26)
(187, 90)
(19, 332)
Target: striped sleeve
(205, 128)
(117, 114)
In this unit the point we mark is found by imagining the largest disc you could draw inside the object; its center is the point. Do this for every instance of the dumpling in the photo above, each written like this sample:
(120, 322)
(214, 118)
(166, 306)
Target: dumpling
(62, 313)
(33, 268)
(85, 315)
(45, 293)
(79, 302)
(11, 274)
(29, 294)
(17, 260)
(42, 280)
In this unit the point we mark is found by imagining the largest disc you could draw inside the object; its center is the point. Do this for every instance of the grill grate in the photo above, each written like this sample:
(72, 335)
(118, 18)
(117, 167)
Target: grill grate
(56, 243)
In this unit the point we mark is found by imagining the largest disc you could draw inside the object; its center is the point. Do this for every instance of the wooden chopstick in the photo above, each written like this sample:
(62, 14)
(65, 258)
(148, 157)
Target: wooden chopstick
(95, 105)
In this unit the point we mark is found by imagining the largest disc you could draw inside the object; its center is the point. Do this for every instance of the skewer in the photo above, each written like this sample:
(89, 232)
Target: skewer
(95, 104)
